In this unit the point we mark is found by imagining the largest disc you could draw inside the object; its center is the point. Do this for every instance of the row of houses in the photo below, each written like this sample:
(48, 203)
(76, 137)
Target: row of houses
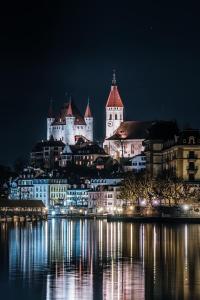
(58, 193)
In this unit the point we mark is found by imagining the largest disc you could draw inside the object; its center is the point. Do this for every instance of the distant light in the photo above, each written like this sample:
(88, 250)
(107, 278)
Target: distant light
(100, 209)
(186, 207)
(53, 213)
(71, 208)
(143, 203)
(155, 202)
(131, 207)
(80, 211)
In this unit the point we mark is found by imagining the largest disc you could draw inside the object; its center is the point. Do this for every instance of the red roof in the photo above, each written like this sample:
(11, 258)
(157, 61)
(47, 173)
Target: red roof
(69, 109)
(114, 99)
(88, 113)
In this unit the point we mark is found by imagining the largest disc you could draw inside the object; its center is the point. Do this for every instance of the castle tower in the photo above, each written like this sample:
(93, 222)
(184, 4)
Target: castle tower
(50, 119)
(114, 109)
(89, 122)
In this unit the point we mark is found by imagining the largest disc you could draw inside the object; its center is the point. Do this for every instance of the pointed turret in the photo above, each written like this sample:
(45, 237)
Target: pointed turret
(89, 122)
(114, 99)
(69, 112)
(88, 113)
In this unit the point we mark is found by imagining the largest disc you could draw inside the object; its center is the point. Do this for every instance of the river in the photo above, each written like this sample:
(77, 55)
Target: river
(86, 259)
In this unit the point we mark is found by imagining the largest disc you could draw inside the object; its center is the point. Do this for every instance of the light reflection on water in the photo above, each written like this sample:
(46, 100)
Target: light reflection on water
(85, 259)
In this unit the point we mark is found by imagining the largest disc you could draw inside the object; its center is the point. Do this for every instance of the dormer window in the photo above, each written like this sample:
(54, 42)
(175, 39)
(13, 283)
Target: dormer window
(192, 140)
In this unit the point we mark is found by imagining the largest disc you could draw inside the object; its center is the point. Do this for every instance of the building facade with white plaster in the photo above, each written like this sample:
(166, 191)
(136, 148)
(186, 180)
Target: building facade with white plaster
(123, 138)
(69, 124)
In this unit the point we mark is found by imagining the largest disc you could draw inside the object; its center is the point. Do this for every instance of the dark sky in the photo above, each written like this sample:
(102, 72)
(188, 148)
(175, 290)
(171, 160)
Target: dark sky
(47, 49)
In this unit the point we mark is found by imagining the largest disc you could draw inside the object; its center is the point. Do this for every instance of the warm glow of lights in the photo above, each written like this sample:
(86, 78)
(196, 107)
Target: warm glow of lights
(143, 202)
(100, 209)
(186, 207)
(155, 202)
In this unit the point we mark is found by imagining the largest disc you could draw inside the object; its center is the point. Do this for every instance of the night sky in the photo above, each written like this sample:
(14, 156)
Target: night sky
(48, 49)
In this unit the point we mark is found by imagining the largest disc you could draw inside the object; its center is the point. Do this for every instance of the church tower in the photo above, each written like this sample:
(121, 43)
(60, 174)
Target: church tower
(114, 109)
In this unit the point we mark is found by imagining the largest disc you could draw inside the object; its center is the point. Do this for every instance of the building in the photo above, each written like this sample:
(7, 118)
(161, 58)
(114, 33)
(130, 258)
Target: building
(82, 154)
(46, 154)
(77, 197)
(181, 156)
(173, 153)
(123, 138)
(95, 182)
(69, 124)
(135, 164)
(159, 133)
(58, 188)
(105, 199)
(50, 190)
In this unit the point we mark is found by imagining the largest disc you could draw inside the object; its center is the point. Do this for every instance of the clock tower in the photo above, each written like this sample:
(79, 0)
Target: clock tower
(114, 109)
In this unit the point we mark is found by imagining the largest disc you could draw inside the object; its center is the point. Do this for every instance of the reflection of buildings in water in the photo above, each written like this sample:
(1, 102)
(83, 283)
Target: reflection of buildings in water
(81, 259)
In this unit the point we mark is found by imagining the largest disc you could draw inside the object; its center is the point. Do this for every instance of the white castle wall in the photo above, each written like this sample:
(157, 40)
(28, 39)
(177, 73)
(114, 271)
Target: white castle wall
(49, 131)
(69, 131)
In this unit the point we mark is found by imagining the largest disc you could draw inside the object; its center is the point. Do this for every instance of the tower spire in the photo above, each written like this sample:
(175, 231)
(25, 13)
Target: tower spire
(114, 82)
(88, 113)
(69, 109)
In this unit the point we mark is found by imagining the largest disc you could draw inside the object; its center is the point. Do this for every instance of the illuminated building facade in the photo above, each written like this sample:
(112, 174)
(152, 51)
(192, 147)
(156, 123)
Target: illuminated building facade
(69, 124)
(105, 199)
(172, 153)
(123, 138)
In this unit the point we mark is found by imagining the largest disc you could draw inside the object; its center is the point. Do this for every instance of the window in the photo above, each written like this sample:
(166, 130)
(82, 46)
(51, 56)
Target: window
(115, 116)
(191, 177)
(110, 118)
(191, 140)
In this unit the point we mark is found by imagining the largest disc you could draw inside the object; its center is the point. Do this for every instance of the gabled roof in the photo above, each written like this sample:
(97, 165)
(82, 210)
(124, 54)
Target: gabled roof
(22, 203)
(50, 143)
(114, 99)
(129, 130)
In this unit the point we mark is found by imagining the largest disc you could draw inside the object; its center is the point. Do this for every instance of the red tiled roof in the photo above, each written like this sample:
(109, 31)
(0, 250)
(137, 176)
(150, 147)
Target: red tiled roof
(69, 109)
(114, 99)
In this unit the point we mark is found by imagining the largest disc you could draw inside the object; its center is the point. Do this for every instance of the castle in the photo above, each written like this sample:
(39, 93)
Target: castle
(70, 125)
(123, 138)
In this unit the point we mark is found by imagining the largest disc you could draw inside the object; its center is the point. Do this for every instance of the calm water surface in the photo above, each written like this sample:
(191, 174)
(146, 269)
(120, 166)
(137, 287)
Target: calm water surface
(85, 259)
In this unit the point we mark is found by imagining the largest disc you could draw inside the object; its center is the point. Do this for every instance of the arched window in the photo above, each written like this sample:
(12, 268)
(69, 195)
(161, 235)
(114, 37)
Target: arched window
(191, 140)
(110, 118)
(115, 116)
